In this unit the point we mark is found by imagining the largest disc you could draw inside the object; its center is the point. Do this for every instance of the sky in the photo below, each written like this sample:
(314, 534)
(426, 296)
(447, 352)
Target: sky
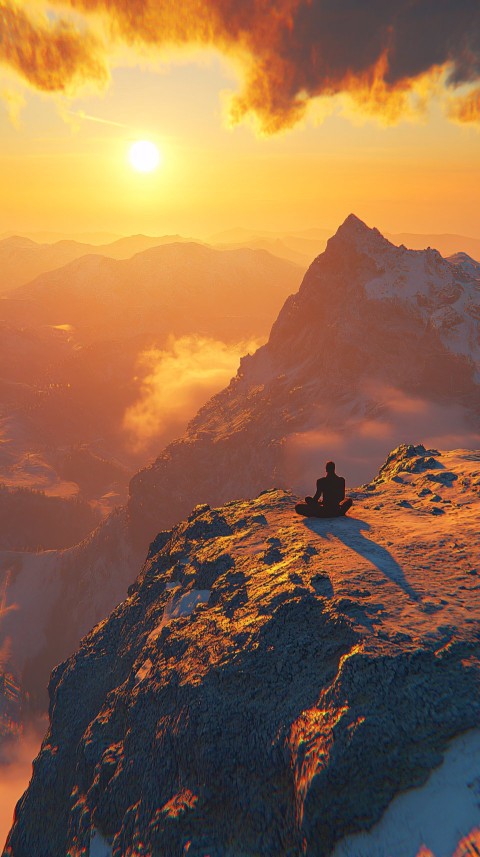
(269, 116)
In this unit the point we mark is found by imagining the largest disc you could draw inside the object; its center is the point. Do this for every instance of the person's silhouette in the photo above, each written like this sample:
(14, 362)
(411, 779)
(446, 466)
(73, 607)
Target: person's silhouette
(329, 500)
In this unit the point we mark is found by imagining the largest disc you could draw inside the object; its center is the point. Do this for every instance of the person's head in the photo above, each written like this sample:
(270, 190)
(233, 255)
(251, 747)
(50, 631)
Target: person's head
(330, 467)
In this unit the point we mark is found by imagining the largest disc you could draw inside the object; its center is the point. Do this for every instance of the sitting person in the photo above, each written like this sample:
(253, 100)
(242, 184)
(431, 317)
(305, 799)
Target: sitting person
(329, 500)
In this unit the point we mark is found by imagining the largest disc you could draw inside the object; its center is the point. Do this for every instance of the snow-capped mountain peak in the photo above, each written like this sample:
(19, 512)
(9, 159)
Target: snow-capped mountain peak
(354, 234)
(360, 267)
(378, 343)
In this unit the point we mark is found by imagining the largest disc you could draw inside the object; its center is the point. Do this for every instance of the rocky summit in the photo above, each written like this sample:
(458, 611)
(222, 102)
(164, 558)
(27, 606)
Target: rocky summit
(271, 683)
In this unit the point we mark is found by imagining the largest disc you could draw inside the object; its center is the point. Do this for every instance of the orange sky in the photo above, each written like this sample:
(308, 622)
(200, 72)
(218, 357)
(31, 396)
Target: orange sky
(65, 172)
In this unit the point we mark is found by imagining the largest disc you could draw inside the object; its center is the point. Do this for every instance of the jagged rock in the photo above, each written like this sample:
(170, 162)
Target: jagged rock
(284, 704)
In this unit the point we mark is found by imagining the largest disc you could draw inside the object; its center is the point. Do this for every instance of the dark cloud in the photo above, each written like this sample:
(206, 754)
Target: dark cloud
(295, 50)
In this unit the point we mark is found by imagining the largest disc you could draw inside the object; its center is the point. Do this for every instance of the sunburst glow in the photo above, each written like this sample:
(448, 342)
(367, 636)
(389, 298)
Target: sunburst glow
(144, 156)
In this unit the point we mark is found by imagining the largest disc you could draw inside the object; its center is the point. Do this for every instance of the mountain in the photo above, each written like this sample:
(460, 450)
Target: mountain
(446, 243)
(302, 247)
(22, 259)
(299, 247)
(379, 342)
(176, 288)
(273, 685)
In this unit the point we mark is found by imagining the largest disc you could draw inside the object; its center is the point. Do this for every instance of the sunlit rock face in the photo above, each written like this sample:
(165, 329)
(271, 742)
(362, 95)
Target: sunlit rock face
(380, 343)
(271, 683)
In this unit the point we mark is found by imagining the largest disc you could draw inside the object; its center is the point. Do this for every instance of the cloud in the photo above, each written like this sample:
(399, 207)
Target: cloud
(80, 114)
(51, 56)
(361, 445)
(175, 382)
(291, 51)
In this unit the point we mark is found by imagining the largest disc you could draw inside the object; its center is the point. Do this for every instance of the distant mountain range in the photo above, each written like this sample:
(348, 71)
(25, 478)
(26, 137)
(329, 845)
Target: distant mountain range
(446, 243)
(302, 247)
(22, 259)
(174, 288)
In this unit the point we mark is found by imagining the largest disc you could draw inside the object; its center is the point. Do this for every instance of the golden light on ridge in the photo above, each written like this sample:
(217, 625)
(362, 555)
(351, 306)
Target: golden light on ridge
(144, 156)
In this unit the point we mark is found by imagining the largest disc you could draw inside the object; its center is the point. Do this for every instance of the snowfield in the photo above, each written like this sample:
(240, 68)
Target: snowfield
(432, 821)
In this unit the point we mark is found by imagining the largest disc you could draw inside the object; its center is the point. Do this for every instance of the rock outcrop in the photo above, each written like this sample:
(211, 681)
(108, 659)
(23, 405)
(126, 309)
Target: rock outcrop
(270, 683)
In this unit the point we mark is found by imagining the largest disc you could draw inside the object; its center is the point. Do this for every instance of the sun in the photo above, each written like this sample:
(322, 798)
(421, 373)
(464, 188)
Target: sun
(144, 156)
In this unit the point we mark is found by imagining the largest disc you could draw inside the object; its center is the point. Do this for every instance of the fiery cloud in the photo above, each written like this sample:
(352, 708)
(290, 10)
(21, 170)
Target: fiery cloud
(466, 109)
(291, 51)
(53, 57)
(176, 381)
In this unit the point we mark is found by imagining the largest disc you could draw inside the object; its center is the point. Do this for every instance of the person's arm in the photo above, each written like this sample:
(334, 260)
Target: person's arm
(319, 491)
(342, 489)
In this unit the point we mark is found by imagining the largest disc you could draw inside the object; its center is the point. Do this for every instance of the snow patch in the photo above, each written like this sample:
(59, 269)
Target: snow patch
(436, 816)
(144, 671)
(181, 606)
(186, 603)
(438, 290)
(99, 847)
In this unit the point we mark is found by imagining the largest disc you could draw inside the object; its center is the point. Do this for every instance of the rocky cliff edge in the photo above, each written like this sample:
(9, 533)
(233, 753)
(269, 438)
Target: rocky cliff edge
(270, 683)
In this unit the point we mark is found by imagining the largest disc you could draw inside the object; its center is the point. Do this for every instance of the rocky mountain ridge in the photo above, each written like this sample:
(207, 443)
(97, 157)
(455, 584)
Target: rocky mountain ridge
(271, 684)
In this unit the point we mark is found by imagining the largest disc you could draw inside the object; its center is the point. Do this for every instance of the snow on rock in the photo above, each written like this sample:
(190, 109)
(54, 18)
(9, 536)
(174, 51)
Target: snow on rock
(186, 603)
(466, 263)
(315, 696)
(183, 605)
(144, 671)
(436, 816)
(99, 847)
